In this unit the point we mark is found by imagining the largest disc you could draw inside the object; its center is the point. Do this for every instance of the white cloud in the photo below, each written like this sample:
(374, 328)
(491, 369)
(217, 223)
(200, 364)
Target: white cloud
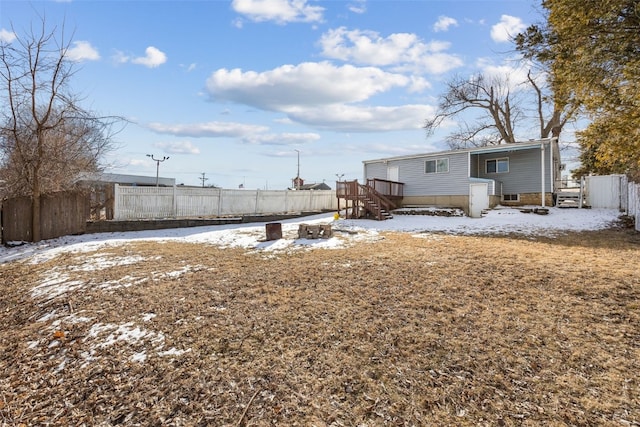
(291, 87)
(418, 84)
(7, 36)
(82, 51)
(402, 49)
(513, 76)
(279, 11)
(184, 147)
(154, 57)
(209, 129)
(189, 67)
(358, 6)
(120, 57)
(507, 28)
(443, 23)
(281, 138)
(348, 118)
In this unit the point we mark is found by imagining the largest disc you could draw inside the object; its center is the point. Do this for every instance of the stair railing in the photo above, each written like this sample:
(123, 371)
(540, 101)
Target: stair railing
(380, 202)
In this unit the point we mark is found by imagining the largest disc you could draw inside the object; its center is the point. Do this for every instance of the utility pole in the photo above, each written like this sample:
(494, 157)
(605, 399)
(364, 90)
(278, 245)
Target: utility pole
(158, 161)
(298, 174)
(203, 179)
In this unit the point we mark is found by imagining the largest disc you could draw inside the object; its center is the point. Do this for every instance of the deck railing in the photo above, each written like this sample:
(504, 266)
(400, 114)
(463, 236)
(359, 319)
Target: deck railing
(378, 197)
(386, 188)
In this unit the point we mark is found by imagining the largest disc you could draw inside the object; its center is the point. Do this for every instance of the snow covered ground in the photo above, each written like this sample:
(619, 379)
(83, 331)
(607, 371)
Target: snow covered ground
(60, 281)
(252, 236)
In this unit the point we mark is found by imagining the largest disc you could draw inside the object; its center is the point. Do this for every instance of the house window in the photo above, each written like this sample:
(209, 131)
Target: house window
(498, 165)
(436, 166)
(510, 197)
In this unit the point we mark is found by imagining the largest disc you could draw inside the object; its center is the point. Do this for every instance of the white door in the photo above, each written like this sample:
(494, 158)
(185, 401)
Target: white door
(478, 199)
(393, 173)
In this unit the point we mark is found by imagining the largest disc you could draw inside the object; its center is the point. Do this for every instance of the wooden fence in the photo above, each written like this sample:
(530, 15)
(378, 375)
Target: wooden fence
(61, 214)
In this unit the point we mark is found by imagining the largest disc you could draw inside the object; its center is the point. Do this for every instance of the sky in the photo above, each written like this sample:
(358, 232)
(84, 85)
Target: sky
(248, 92)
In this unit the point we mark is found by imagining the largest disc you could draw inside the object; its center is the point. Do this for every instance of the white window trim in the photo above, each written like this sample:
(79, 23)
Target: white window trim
(517, 199)
(498, 159)
(436, 164)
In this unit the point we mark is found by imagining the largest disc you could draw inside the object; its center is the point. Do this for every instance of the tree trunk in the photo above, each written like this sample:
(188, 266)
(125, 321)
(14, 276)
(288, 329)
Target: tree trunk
(35, 214)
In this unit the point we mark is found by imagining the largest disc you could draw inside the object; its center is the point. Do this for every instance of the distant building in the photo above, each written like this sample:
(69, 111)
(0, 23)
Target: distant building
(315, 186)
(298, 183)
(137, 180)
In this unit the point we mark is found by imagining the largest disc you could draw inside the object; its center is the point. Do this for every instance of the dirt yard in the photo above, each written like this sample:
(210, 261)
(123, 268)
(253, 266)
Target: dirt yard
(410, 330)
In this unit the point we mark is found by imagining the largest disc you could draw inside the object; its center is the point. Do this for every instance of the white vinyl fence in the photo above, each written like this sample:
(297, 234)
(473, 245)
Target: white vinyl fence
(614, 192)
(131, 203)
(633, 195)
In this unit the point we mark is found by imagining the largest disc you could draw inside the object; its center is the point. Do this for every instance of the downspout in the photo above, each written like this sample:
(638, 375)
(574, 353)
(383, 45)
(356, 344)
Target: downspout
(552, 168)
(542, 170)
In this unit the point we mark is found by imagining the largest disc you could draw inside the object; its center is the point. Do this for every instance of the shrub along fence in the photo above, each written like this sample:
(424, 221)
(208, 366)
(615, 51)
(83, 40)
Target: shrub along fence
(60, 214)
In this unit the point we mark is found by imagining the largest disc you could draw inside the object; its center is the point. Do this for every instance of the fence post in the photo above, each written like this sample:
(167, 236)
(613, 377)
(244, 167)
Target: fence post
(116, 202)
(175, 201)
(255, 208)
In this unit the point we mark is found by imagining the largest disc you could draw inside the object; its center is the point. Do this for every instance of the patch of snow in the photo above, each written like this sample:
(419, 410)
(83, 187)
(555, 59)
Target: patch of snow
(501, 220)
(47, 316)
(173, 352)
(105, 260)
(146, 317)
(124, 282)
(139, 357)
(125, 332)
(55, 285)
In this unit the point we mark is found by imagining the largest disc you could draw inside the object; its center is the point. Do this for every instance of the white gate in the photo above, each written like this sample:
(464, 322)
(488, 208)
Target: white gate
(606, 192)
(478, 199)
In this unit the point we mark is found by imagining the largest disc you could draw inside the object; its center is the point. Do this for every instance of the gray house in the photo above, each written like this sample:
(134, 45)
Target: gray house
(522, 173)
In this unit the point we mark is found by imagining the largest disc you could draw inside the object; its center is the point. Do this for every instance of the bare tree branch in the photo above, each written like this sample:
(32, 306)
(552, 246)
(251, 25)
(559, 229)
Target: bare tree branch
(46, 138)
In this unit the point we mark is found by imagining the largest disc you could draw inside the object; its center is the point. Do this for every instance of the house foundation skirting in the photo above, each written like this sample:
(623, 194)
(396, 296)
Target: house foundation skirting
(530, 199)
(462, 202)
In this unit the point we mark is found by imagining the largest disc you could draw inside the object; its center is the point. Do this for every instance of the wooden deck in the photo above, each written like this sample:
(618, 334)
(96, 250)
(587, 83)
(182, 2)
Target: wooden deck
(375, 199)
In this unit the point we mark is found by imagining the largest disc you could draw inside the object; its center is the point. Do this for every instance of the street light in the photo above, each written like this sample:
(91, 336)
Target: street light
(339, 176)
(158, 161)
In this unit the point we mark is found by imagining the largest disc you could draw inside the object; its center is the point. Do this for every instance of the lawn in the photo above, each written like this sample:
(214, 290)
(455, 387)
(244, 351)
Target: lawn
(401, 330)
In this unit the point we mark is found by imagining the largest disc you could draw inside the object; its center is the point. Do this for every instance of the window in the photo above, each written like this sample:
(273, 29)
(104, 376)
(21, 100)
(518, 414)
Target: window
(498, 165)
(510, 197)
(436, 166)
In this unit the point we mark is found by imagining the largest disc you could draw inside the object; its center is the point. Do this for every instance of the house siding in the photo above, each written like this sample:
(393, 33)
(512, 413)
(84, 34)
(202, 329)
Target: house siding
(469, 165)
(524, 174)
(411, 172)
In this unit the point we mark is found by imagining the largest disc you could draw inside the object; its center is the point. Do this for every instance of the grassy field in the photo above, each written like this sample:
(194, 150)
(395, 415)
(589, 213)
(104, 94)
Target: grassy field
(406, 331)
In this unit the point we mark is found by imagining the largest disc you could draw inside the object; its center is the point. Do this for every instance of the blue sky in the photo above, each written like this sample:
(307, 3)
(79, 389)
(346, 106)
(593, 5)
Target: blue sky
(239, 89)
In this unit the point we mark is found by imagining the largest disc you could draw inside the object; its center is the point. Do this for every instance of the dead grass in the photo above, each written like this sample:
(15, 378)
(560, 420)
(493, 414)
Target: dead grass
(429, 330)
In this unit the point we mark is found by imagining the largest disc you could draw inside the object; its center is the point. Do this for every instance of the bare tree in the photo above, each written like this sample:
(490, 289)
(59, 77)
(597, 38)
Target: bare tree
(46, 137)
(490, 113)
(492, 97)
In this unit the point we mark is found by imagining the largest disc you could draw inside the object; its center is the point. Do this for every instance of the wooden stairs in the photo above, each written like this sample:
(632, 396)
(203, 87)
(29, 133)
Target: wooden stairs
(374, 200)
(375, 204)
(570, 198)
